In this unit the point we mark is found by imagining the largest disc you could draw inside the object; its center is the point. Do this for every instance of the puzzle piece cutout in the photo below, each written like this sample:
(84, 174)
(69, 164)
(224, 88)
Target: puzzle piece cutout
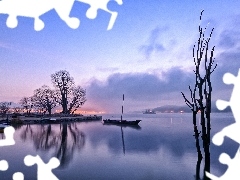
(44, 170)
(101, 4)
(35, 8)
(231, 131)
(3, 165)
(235, 98)
(18, 176)
(9, 140)
(233, 172)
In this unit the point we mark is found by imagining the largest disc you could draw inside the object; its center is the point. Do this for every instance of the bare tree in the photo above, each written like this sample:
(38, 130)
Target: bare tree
(44, 98)
(201, 94)
(4, 108)
(27, 104)
(78, 98)
(69, 96)
(64, 83)
(17, 109)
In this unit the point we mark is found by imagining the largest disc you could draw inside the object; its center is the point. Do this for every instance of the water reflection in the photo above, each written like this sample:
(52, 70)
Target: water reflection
(162, 147)
(62, 143)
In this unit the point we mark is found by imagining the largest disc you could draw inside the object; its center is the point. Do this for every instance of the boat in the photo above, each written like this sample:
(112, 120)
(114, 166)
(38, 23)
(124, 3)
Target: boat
(52, 119)
(121, 121)
(148, 111)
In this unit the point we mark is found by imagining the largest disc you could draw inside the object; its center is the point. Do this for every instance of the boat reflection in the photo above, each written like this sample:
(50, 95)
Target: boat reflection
(62, 141)
(124, 126)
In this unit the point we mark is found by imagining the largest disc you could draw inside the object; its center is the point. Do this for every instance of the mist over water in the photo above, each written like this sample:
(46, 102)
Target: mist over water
(161, 147)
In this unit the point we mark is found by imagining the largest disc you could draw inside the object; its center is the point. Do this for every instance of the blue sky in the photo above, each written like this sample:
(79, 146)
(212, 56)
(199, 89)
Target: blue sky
(147, 55)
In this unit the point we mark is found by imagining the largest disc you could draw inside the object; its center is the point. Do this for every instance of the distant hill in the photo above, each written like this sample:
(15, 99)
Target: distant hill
(186, 109)
(172, 108)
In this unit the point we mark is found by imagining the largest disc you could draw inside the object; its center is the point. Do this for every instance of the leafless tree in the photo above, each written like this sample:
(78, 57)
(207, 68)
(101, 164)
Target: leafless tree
(77, 99)
(64, 83)
(44, 98)
(201, 94)
(17, 109)
(27, 104)
(70, 97)
(4, 108)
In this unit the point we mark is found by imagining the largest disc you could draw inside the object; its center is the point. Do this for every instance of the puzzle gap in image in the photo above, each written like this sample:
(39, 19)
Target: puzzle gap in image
(44, 170)
(231, 131)
(34, 9)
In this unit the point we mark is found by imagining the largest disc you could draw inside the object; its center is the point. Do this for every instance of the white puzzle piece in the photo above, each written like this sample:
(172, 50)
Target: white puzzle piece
(3, 165)
(18, 176)
(101, 4)
(232, 172)
(44, 171)
(36, 8)
(231, 131)
(9, 140)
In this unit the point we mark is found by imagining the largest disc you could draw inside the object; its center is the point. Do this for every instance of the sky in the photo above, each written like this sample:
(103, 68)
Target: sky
(147, 55)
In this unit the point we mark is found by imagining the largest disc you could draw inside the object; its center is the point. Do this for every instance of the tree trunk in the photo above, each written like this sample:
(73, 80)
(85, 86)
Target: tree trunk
(49, 110)
(196, 134)
(64, 104)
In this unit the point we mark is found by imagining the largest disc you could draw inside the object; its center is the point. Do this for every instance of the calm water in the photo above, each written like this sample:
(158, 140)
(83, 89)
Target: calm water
(162, 147)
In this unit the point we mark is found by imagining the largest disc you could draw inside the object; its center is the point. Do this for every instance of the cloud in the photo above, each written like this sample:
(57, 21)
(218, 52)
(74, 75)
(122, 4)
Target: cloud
(107, 69)
(7, 46)
(140, 88)
(229, 39)
(229, 59)
(153, 45)
(144, 90)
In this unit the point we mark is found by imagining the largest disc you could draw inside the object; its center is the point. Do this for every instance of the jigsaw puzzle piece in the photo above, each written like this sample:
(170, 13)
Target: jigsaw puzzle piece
(36, 8)
(113, 5)
(44, 170)
(229, 78)
(221, 104)
(63, 8)
(9, 140)
(233, 172)
(18, 176)
(103, 5)
(3, 165)
(25, 8)
(231, 131)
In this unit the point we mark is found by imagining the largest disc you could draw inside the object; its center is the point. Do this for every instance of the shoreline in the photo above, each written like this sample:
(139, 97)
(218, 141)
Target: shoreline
(53, 119)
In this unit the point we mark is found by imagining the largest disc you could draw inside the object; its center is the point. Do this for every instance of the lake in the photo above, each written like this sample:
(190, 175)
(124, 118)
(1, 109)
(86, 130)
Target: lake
(162, 147)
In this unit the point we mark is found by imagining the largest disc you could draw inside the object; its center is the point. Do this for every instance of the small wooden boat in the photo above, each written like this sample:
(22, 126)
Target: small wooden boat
(52, 119)
(49, 119)
(121, 122)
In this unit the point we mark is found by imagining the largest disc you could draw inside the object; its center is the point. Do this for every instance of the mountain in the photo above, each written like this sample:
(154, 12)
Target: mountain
(185, 109)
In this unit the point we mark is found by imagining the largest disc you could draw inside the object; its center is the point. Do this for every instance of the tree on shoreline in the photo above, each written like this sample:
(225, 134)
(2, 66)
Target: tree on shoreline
(64, 84)
(27, 104)
(4, 108)
(44, 98)
(201, 94)
(78, 98)
(68, 96)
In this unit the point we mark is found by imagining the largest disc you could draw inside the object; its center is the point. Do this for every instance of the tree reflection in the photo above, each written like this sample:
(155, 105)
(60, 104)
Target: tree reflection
(27, 133)
(66, 145)
(62, 143)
